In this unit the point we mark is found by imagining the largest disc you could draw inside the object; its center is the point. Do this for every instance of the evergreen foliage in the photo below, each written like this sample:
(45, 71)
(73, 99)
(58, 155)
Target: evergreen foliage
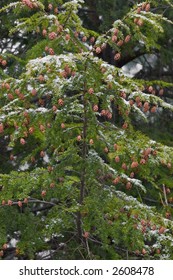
(80, 181)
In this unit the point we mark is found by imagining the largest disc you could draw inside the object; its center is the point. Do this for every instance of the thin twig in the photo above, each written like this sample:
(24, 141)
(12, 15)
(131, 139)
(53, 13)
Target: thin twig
(164, 192)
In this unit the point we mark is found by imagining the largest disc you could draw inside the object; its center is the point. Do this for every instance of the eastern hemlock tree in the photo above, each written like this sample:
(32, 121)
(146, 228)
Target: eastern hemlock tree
(154, 66)
(80, 181)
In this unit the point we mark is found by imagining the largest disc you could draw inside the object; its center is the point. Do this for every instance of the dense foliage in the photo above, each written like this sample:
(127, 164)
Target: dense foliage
(79, 179)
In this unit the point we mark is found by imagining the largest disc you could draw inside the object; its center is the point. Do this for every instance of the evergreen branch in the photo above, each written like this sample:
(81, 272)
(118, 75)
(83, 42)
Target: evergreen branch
(11, 5)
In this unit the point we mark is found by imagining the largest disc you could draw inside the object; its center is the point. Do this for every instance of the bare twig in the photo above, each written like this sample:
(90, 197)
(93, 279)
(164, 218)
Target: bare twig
(164, 192)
